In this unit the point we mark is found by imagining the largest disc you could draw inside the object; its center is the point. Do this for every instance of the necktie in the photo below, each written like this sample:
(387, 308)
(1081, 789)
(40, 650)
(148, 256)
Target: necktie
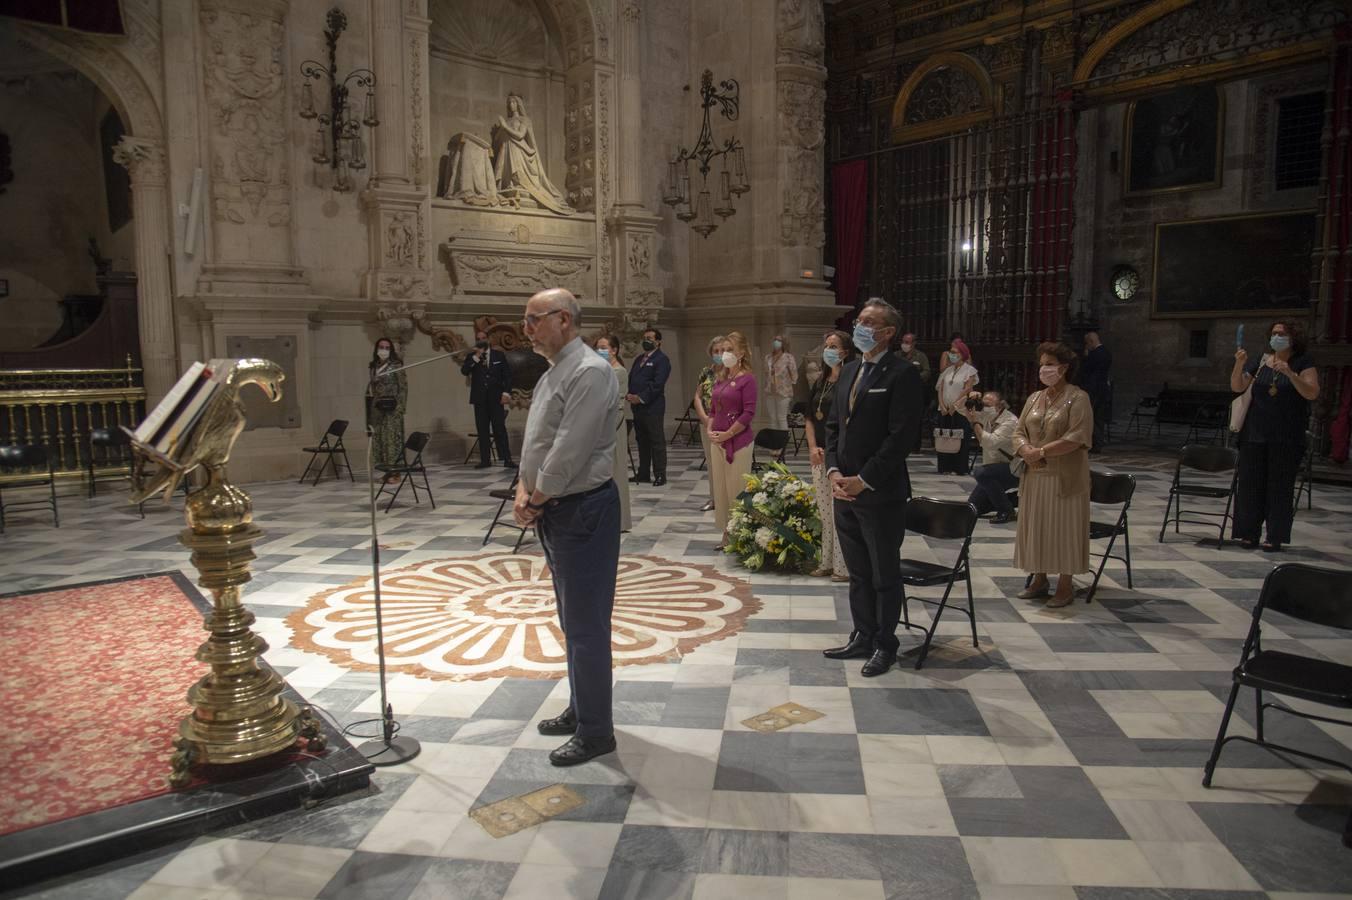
(864, 371)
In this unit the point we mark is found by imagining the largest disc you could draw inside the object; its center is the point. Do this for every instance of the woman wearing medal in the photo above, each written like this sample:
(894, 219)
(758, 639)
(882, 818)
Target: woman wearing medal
(1272, 441)
(837, 351)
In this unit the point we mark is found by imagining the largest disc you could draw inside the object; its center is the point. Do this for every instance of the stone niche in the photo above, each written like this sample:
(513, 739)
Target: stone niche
(502, 254)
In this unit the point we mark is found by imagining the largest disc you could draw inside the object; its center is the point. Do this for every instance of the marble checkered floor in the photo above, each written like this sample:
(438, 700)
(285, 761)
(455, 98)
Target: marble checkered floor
(1062, 759)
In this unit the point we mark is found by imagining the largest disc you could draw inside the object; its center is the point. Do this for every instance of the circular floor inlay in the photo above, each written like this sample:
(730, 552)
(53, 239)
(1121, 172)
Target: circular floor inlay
(493, 616)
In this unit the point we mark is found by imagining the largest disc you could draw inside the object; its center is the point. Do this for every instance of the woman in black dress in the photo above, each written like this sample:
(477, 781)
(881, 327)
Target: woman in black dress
(1272, 441)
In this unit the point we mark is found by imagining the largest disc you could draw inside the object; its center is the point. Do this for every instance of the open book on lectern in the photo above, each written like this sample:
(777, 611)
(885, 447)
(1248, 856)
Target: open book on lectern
(167, 426)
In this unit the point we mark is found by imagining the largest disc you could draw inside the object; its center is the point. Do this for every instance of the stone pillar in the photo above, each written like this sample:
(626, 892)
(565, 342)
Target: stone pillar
(144, 160)
(398, 199)
(631, 226)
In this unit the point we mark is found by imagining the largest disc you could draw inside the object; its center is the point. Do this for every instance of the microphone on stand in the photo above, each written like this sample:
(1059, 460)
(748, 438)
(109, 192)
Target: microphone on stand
(390, 748)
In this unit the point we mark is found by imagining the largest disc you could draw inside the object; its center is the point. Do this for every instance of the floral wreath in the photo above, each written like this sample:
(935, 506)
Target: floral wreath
(775, 521)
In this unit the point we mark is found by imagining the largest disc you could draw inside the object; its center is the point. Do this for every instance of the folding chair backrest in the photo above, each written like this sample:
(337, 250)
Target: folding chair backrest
(1208, 458)
(1309, 593)
(772, 438)
(941, 519)
(22, 456)
(1111, 488)
(416, 441)
(336, 428)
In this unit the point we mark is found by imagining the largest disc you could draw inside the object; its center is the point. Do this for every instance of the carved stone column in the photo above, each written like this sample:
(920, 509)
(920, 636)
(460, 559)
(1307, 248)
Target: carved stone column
(397, 202)
(800, 91)
(144, 160)
(632, 227)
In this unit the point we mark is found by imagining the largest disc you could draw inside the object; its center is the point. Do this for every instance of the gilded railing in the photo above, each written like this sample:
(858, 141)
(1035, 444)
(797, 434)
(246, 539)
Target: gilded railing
(58, 408)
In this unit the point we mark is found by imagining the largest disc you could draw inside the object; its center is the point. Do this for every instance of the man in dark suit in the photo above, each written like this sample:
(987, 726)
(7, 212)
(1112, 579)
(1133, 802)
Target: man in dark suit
(879, 401)
(648, 398)
(490, 390)
(1094, 380)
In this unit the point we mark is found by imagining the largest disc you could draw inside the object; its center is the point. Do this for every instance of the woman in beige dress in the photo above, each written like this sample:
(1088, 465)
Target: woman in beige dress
(1053, 439)
(609, 349)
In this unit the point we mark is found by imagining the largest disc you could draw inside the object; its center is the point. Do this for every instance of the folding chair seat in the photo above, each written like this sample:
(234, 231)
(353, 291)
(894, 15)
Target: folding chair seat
(330, 447)
(1308, 594)
(1147, 410)
(1212, 460)
(408, 470)
(1110, 489)
(942, 520)
(507, 496)
(771, 439)
(31, 466)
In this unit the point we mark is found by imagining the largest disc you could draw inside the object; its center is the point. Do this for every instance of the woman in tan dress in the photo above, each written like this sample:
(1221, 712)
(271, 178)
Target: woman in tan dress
(1053, 439)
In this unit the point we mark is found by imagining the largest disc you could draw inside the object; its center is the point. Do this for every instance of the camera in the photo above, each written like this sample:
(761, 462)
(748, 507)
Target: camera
(481, 345)
(974, 404)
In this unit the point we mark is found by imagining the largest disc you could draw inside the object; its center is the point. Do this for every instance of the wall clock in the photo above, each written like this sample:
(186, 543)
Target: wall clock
(1126, 282)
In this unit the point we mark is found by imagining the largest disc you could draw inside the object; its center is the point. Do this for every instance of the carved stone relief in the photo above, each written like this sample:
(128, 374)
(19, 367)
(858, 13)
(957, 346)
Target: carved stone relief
(489, 29)
(480, 271)
(397, 321)
(801, 27)
(418, 150)
(802, 135)
(404, 287)
(603, 159)
(250, 177)
(400, 240)
(143, 159)
(640, 256)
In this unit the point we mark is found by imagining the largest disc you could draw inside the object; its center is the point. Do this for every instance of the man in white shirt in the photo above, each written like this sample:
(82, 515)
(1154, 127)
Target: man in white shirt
(566, 492)
(994, 426)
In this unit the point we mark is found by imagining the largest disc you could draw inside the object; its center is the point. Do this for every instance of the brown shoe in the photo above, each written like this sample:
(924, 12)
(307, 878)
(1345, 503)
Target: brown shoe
(1035, 592)
(820, 573)
(1061, 600)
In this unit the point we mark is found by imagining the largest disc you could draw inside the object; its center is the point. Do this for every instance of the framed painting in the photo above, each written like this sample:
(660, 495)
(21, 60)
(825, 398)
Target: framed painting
(1175, 141)
(1233, 266)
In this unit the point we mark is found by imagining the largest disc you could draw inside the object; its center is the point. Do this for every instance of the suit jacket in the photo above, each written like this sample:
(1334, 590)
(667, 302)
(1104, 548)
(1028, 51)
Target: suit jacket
(648, 380)
(1094, 372)
(874, 440)
(488, 379)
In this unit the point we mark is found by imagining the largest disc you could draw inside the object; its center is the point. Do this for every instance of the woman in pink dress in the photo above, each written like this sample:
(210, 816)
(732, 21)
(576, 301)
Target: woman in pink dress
(734, 406)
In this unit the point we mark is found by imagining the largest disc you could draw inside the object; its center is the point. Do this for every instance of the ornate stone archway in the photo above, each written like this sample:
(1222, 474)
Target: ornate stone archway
(946, 93)
(142, 152)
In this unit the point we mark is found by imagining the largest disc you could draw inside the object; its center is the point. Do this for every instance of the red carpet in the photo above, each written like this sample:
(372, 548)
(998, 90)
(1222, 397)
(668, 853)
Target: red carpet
(95, 680)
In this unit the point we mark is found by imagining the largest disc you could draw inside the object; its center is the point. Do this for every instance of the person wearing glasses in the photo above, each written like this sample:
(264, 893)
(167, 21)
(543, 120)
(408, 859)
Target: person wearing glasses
(874, 417)
(566, 492)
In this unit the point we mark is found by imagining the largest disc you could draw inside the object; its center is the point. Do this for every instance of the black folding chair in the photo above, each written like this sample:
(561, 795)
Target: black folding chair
(1202, 458)
(328, 450)
(943, 520)
(32, 466)
(1110, 489)
(689, 421)
(473, 447)
(1147, 410)
(507, 496)
(407, 471)
(798, 425)
(771, 439)
(1309, 594)
(1305, 484)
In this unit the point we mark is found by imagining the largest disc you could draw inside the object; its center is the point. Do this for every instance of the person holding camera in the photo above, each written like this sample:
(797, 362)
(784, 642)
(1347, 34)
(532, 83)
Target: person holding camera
(490, 391)
(994, 426)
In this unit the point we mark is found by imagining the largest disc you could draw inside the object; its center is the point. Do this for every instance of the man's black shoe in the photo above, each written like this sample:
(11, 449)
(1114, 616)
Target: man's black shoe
(564, 723)
(582, 749)
(878, 663)
(856, 648)
(483, 465)
(659, 481)
(1002, 519)
(508, 464)
(637, 480)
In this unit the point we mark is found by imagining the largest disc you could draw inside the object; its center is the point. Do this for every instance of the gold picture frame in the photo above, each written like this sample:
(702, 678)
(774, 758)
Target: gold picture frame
(1270, 256)
(1168, 135)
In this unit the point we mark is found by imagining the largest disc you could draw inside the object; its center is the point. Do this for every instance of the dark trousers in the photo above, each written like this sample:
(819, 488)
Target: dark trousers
(956, 463)
(652, 444)
(491, 418)
(870, 531)
(1100, 400)
(1265, 491)
(581, 539)
(991, 483)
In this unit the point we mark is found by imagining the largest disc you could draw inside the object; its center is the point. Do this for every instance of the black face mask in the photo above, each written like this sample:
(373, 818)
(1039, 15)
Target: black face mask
(649, 346)
(482, 345)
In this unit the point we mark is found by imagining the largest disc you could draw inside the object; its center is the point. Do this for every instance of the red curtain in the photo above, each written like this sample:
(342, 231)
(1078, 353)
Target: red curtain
(849, 223)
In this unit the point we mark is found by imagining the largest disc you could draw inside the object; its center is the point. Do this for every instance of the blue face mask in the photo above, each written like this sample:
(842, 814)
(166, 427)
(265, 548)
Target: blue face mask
(1279, 342)
(863, 338)
(717, 359)
(831, 356)
(778, 345)
(604, 354)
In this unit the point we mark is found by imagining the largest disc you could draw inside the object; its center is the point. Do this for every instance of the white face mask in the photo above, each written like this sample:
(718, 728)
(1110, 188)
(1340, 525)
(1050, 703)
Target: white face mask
(1049, 375)
(383, 353)
(729, 359)
(906, 348)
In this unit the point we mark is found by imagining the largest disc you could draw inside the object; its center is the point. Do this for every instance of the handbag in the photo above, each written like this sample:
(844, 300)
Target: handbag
(1239, 407)
(1016, 464)
(947, 440)
(386, 404)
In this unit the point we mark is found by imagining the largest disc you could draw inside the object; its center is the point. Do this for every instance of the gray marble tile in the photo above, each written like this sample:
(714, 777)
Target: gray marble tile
(464, 879)
(626, 883)
(802, 763)
(377, 876)
(659, 848)
(979, 781)
(691, 706)
(735, 852)
(915, 711)
(1309, 857)
(515, 698)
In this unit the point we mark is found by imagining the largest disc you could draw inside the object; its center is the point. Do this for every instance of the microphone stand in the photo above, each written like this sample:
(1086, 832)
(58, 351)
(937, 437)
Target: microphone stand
(388, 749)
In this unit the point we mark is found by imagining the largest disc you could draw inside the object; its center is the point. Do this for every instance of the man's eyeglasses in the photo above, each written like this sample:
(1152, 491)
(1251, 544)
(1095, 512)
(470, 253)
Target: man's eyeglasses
(532, 320)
